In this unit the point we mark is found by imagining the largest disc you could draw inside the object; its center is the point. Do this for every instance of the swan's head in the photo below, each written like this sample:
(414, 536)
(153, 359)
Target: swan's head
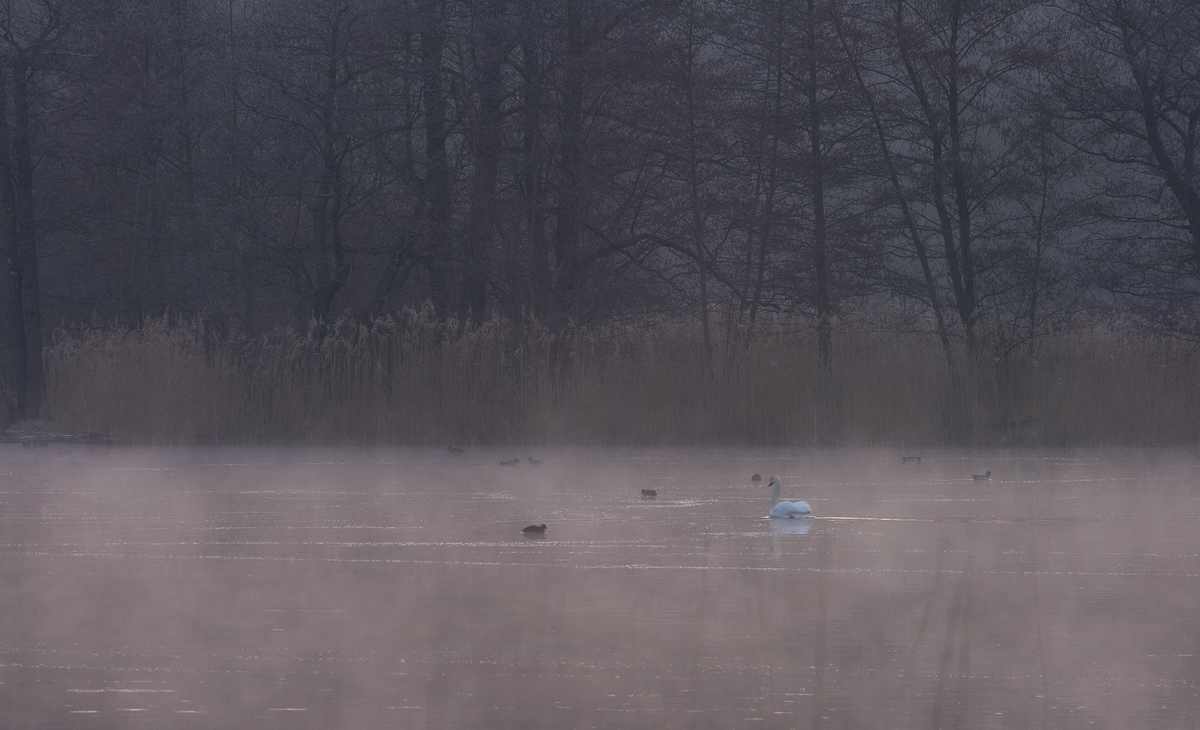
(776, 482)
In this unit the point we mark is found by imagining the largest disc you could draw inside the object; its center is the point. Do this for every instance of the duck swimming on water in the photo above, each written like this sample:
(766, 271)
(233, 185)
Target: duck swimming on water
(650, 493)
(756, 478)
(535, 530)
(983, 477)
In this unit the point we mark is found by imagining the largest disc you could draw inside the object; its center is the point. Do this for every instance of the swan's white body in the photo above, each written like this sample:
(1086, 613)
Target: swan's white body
(785, 508)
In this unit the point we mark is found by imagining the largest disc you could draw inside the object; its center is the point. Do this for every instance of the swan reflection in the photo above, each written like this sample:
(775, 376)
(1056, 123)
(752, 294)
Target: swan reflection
(779, 528)
(791, 527)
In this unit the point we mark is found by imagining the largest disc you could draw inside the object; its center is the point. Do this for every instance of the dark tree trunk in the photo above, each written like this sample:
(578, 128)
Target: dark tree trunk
(14, 324)
(488, 147)
(327, 269)
(950, 197)
(699, 244)
(1178, 177)
(533, 188)
(405, 254)
(570, 196)
(820, 224)
(399, 264)
(26, 240)
(893, 177)
(436, 184)
(756, 258)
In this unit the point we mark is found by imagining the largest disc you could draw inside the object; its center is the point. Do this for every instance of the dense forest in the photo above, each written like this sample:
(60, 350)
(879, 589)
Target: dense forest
(980, 174)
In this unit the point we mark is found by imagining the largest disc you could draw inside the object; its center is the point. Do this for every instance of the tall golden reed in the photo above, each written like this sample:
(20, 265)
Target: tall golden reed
(415, 380)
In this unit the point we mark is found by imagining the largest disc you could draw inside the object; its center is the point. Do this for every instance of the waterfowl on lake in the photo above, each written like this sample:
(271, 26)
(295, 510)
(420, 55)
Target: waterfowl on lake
(535, 530)
(454, 449)
(510, 462)
(651, 493)
(535, 462)
(756, 478)
(983, 477)
(912, 460)
(785, 508)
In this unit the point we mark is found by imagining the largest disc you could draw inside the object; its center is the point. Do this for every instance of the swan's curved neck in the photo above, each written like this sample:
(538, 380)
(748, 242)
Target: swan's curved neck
(774, 492)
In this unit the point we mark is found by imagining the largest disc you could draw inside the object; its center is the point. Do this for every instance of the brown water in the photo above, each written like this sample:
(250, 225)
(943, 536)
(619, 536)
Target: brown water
(224, 588)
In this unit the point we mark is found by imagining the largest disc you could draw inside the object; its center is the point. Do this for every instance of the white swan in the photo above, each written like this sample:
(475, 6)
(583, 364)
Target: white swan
(786, 509)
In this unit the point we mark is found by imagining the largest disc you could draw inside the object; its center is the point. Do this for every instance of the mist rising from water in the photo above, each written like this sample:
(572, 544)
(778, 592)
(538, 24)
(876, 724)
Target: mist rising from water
(343, 588)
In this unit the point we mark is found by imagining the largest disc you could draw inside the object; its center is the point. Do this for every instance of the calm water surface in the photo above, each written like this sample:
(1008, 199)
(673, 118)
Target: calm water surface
(227, 588)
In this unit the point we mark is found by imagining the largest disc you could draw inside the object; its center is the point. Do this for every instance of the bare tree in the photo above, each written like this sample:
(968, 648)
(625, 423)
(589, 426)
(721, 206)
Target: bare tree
(436, 182)
(33, 35)
(688, 114)
(758, 38)
(1131, 88)
(941, 81)
(492, 43)
(566, 160)
(319, 60)
(585, 165)
(807, 165)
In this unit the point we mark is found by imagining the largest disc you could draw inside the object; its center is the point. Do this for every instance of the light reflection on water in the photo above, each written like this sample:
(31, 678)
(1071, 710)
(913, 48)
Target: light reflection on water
(361, 589)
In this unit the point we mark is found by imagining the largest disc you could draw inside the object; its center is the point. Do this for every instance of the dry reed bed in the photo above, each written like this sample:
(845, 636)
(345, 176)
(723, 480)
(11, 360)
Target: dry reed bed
(416, 380)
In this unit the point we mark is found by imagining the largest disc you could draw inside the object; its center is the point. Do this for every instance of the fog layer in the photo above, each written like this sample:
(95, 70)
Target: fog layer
(394, 588)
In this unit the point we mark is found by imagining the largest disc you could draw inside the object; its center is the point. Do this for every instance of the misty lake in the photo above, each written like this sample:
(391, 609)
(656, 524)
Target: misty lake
(343, 588)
